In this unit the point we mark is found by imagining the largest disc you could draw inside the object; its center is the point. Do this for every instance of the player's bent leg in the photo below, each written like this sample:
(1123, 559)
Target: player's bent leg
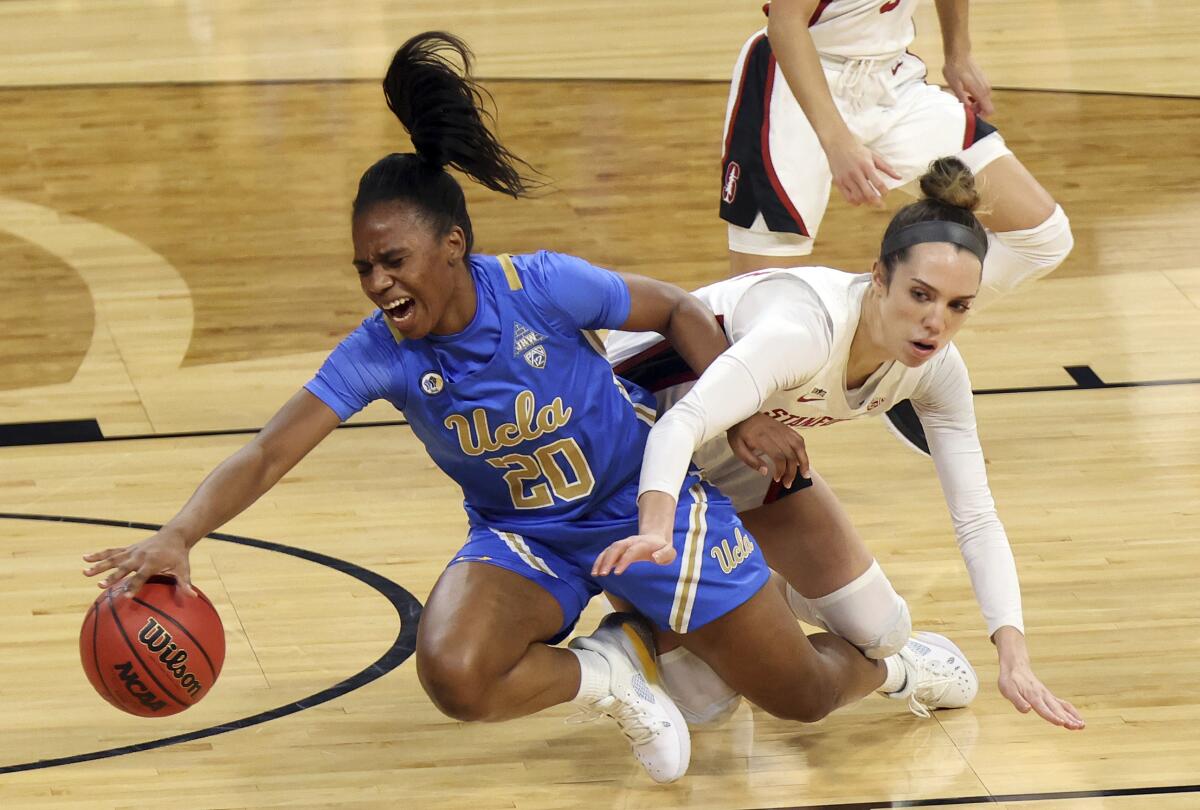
(807, 537)
(716, 594)
(833, 581)
(1029, 234)
(478, 651)
(760, 651)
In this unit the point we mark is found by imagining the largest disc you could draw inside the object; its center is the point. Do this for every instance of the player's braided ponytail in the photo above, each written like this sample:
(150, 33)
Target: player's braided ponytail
(443, 110)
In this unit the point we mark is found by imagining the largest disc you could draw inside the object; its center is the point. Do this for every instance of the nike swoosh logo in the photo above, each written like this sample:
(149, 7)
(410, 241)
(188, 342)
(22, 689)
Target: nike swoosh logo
(810, 399)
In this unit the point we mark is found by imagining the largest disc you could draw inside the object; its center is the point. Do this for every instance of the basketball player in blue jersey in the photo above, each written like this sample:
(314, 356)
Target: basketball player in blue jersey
(492, 360)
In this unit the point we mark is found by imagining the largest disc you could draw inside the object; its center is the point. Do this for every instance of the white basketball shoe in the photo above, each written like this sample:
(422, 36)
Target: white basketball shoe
(644, 712)
(939, 675)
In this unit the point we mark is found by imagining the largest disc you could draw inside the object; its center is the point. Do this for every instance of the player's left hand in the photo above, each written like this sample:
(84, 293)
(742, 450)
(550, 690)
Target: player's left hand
(760, 438)
(1027, 693)
(967, 82)
(624, 553)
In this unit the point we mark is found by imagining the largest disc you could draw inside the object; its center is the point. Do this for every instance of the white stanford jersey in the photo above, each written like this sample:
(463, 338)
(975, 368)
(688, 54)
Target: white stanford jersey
(791, 332)
(863, 29)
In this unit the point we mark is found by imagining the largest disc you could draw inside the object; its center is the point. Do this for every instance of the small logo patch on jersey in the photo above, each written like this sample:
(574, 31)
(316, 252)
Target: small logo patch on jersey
(524, 338)
(528, 343)
(875, 403)
(729, 190)
(536, 357)
(432, 383)
(810, 399)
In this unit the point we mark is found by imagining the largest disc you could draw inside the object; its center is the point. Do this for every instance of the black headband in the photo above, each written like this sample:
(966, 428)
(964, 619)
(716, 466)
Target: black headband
(935, 231)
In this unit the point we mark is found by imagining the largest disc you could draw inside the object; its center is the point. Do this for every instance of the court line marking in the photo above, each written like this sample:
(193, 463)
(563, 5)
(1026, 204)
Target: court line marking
(408, 610)
(1011, 798)
(1085, 381)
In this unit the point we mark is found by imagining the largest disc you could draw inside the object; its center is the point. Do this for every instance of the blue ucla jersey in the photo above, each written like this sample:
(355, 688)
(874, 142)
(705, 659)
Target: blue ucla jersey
(521, 408)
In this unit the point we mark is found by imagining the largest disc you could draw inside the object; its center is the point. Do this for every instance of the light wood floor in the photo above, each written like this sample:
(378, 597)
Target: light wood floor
(174, 258)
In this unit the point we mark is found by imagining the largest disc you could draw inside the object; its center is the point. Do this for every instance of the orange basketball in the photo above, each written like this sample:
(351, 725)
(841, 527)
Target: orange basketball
(155, 654)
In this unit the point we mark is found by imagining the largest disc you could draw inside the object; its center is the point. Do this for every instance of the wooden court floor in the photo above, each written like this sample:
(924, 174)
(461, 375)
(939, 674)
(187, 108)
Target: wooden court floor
(174, 263)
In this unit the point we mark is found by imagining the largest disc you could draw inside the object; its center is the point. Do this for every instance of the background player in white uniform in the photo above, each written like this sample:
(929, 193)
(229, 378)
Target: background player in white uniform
(814, 346)
(827, 92)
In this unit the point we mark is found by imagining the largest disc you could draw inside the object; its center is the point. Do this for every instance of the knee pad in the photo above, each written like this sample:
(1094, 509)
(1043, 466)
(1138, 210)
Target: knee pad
(700, 694)
(1018, 257)
(867, 612)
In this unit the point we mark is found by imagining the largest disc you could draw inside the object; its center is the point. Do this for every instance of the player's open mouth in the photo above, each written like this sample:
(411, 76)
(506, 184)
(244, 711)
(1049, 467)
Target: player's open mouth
(922, 348)
(399, 310)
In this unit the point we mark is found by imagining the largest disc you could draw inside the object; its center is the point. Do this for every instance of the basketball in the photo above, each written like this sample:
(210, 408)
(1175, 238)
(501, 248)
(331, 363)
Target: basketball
(153, 655)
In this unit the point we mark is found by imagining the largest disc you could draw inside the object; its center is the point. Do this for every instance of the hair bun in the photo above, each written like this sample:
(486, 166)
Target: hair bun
(949, 181)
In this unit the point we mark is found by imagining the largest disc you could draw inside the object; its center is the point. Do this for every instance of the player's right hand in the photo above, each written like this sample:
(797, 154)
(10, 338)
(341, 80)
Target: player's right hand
(855, 170)
(640, 547)
(759, 439)
(160, 553)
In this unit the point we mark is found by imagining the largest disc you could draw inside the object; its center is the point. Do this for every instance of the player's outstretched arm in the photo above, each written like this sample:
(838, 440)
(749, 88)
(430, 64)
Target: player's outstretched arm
(855, 168)
(1023, 689)
(237, 482)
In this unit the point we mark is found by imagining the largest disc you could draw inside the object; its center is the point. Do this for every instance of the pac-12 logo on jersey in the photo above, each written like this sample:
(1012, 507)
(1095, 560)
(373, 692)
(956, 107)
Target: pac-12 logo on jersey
(875, 403)
(527, 342)
(729, 190)
(431, 383)
(536, 356)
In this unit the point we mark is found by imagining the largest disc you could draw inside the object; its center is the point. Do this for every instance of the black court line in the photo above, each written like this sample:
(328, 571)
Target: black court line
(407, 608)
(1085, 380)
(1012, 798)
(87, 430)
(343, 80)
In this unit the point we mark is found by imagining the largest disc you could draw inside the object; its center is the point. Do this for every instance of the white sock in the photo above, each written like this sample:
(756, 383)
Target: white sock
(897, 675)
(594, 676)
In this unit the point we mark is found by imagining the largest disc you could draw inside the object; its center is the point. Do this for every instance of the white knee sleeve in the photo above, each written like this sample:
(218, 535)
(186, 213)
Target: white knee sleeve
(1017, 257)
(700, 694)
(867, 612)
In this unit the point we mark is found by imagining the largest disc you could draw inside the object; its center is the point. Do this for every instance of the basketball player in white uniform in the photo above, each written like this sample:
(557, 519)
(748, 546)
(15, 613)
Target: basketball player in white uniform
(828, 93)
(814, 346)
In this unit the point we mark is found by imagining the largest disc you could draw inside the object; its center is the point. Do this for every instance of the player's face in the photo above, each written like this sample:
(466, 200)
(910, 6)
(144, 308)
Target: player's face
(927, 301)
(411, 273)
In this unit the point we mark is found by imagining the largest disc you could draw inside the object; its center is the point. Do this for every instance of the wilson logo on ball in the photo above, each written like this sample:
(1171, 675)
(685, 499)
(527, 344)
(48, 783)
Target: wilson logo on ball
(155, 638)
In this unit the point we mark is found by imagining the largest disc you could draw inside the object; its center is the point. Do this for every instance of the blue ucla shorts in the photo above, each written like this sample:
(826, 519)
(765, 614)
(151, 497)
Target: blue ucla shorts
(717, 566)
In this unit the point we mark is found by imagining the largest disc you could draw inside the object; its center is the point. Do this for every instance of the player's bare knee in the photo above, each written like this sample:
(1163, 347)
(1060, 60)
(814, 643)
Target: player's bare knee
(455, 681)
